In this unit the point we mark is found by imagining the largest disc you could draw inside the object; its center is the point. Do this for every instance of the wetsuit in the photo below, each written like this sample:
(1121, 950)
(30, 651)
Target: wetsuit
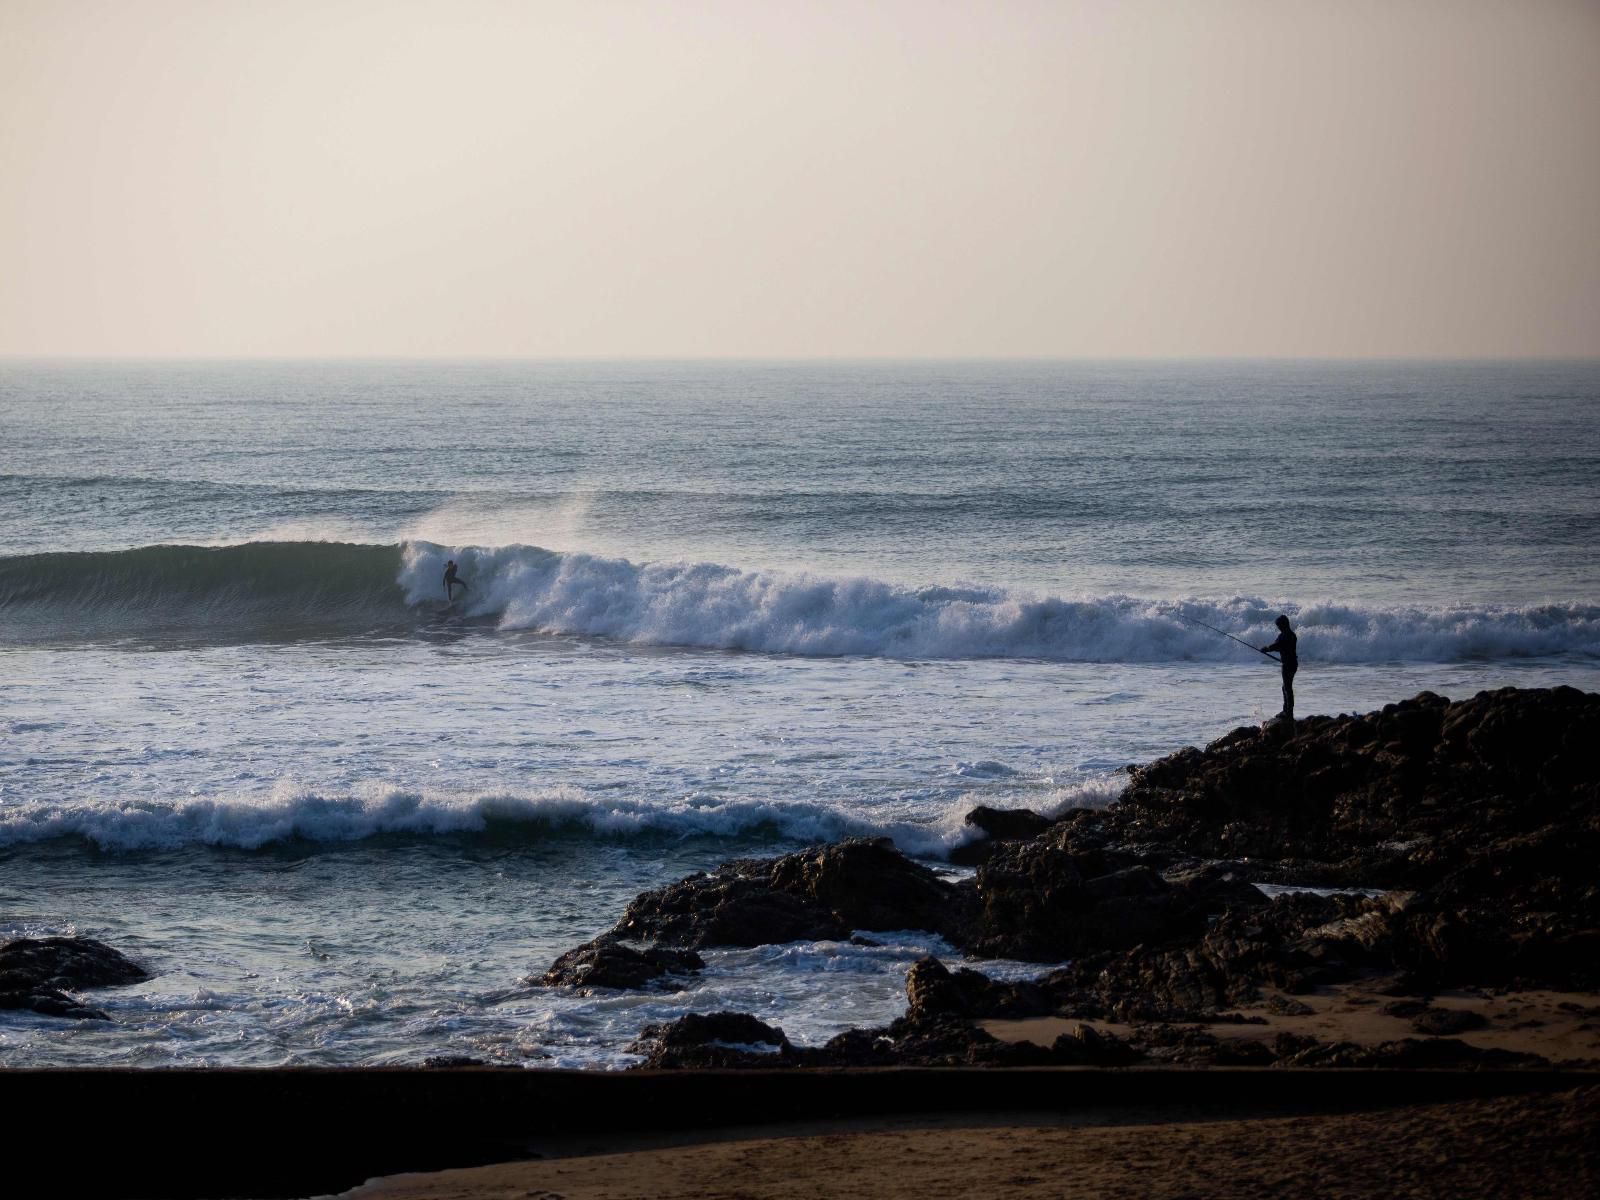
(451, 582)
(1285, 646)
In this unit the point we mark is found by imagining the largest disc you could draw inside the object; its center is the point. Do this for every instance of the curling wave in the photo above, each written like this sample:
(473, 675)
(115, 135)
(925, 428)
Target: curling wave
(722, 607)
(292, 589)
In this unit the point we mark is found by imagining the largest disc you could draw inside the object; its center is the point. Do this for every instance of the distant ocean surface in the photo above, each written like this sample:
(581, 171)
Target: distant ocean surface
(713, 610)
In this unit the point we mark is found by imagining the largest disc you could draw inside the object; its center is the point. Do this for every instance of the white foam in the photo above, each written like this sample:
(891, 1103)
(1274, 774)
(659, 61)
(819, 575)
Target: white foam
(710, 605)
(250, 821)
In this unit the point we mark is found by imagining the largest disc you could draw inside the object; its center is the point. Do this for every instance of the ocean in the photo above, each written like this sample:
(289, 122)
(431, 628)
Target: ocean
(713, 610)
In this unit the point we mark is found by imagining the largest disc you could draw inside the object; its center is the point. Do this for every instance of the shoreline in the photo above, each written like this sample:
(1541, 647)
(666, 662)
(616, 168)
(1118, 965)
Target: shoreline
(1530, 1147)
(282, 1132)
(1470, 980)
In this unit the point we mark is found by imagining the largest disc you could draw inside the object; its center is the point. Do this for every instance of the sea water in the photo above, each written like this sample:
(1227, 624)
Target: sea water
(712, 611)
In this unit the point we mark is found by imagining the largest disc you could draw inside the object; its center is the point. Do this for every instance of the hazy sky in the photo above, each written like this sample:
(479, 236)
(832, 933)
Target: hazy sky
(468, 177)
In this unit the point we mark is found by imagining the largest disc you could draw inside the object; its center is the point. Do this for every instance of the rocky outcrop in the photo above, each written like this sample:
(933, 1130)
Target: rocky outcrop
(1046, 900)
(1481, 818)
(717, 1040)
(607, 962)
(823, 893)
(1408, 796)
(997, 825)
(38, 974)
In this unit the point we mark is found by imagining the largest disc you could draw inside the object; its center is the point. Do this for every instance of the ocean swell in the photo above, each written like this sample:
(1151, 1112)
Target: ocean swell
(262, 590)
(722, 607)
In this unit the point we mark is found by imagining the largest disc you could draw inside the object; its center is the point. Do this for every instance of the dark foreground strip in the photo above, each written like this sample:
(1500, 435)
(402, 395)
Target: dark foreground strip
(301, 1132)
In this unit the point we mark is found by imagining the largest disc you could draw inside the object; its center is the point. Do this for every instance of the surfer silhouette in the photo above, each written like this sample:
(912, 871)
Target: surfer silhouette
(451, 583)
(1285, 646)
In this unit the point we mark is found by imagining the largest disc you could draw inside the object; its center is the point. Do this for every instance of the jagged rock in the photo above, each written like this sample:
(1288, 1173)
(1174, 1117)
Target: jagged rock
(1481, 818)
(719, 1039)
(1047, 900)
(1086, 1047)
(1436, 1053)
(1008, 824)
(1041, 902)
(818, 894)
(36, 974)
(608, 963)
(1287, 1006)
(932, 990)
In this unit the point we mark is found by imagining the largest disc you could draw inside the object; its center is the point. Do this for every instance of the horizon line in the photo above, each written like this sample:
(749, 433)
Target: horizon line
(732, 359)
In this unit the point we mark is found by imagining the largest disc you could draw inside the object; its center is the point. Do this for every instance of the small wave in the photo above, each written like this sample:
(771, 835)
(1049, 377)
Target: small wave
(295, 815)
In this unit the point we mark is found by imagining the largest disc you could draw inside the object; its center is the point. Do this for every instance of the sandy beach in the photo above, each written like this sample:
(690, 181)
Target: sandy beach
(1527, 1146)
(1563, 1027)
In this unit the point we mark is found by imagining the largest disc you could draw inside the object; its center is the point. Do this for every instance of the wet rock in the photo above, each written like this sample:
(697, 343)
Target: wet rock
(823, 893)
(1008, 824)
(716, 1040)
(37, 974)
(932, 990)
(946, 1041)
(609, 963)
(1480, 818)
(1041, 902)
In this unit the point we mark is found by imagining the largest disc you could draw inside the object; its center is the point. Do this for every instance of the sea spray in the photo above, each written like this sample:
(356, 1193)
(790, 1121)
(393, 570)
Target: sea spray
(316, 589)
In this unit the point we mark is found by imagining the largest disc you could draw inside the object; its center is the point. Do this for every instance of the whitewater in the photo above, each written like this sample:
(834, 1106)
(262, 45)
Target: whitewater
(713, 610)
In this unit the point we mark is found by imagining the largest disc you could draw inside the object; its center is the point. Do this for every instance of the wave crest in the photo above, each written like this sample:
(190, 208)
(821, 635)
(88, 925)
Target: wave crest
(720, 607)
(298, 815)
(295, 589)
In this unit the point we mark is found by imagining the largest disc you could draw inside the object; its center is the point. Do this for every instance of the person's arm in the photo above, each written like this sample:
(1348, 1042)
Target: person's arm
(1277, 645)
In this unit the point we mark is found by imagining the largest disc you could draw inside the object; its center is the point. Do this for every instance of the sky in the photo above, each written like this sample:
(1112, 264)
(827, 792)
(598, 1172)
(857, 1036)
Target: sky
(1085, 178)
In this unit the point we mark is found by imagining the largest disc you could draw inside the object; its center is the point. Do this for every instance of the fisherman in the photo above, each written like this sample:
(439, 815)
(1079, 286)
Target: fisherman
(1285, 646)
(451, 583)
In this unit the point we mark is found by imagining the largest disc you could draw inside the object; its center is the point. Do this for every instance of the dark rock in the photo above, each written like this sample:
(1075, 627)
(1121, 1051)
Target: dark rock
(1442, 1022)
(1480, 818)
(1430, 1053)
(823, 893)
(719, 1040)
(1008, 824)
(1042, 902)
(946, 1041)
(1241, 1052)
(1089, 1047)
(728, 907)
(1284, 1006)
(608, 963)
(36, 974)
(932, 990)
(1405, 1009)
(50, 1002)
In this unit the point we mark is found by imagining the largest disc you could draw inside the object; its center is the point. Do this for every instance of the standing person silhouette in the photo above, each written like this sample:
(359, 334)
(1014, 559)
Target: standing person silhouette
(451, 582)
(1285, 646)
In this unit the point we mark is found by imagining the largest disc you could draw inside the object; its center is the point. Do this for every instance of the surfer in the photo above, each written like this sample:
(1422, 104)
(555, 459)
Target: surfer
(451, 583)
(1285, 646)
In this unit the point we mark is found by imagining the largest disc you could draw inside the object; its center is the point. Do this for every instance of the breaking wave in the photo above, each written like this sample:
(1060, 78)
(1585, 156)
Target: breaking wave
(294, 815)
(291, 589)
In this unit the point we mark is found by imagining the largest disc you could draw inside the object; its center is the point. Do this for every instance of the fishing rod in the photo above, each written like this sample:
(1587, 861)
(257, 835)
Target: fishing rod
(1226, 634)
